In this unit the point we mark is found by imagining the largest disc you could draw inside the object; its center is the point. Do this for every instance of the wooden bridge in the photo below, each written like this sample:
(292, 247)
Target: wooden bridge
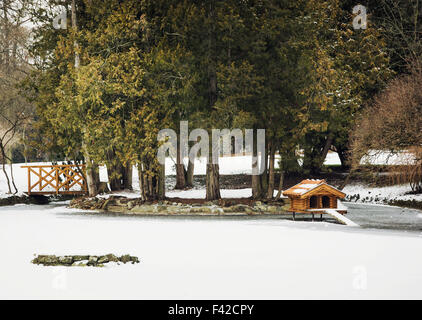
(56, 179)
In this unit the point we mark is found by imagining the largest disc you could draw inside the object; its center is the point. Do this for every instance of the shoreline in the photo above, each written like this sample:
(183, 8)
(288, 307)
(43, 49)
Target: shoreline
(15, 200)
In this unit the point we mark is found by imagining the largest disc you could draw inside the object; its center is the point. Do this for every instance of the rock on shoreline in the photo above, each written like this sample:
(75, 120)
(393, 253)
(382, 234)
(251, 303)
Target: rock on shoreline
(117, 204)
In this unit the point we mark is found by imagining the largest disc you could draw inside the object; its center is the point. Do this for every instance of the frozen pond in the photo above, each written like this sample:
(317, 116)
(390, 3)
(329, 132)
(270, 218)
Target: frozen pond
(366, 215)
(385, 217)
(207, 257)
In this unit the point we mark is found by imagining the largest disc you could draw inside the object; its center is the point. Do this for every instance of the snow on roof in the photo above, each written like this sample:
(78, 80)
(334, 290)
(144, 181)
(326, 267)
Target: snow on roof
(308, 185)
(305, 186)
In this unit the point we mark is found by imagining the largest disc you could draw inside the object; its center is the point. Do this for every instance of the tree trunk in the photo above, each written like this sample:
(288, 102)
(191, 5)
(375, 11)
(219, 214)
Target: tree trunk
(264, 176)
(9, 158)
(259, 186)
(75, 29)
(92, 177)
(114, 178)
(3, 158)
(180, 170)
(7, 177)
(270, 191)
(213, 182)
(212, 74)
(161, 187)
(312, 154)
(343, 155)
(6, 37)
(345, 182)
(92, 173)
(25, 152)
(141, 180)
(151, 181)
(327, 146)
(280, 184)
(114, 171)
(189, 174)
(119, 176)
(213, 170)
(256, 187)
(13, 178)
(258, 190)
(127, 172)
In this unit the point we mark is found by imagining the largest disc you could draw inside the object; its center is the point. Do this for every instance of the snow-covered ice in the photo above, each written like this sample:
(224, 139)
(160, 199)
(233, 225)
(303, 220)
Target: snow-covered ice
(208, 258)
(203, 258)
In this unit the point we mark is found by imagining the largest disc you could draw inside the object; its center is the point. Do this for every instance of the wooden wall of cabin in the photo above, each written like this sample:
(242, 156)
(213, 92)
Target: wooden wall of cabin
(305, 204)
(299, 204)
(332, 202)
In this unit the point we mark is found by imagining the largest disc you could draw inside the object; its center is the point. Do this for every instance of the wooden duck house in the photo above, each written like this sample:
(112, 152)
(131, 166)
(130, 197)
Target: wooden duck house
(311, 196)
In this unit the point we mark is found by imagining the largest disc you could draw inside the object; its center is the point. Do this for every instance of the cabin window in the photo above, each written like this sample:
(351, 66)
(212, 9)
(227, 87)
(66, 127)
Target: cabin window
(325, 202)
(313, 202)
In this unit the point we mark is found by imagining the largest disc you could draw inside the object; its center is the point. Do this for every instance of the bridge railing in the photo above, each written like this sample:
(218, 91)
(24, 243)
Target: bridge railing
(56, 179)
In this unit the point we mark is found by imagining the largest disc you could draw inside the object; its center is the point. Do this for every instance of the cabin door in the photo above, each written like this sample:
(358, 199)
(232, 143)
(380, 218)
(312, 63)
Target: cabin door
(313, 202)
(326, 202)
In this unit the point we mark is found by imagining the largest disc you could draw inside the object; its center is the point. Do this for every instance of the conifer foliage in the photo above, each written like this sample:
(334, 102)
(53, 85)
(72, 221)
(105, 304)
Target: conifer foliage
(294, 68)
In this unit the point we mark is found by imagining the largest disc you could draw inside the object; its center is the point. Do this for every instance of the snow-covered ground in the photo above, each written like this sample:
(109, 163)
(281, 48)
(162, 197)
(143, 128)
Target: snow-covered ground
(231, 165)
(381, 157)
(203, 258)
(228, 165)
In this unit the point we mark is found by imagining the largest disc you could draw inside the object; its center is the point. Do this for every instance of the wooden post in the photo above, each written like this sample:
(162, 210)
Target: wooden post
(57, 180)
(85, 186)
(69, 178)
(29, 181)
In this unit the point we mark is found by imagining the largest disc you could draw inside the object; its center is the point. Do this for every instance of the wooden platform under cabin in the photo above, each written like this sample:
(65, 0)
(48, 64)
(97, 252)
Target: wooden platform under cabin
(317, 211)
(56, 179)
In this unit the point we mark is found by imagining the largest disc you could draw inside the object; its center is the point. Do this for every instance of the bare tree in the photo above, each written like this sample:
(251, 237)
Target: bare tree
(14, 66)
(393, 126)
(402, 23)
